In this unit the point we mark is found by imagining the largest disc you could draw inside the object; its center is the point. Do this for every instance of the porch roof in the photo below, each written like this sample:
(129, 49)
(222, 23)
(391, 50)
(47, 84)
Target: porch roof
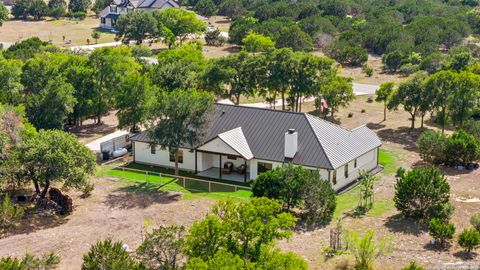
(236, 139)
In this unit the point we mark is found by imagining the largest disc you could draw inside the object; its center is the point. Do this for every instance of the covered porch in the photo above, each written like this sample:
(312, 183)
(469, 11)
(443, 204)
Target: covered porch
(226, 157)
(215, 172)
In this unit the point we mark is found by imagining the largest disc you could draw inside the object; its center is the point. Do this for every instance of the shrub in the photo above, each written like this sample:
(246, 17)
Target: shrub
(432, 146)
(79, 15)
(423, 193)
(413, 266)
(215, 38)
(347, 53)
(295, 186)
(368, 70)
(9, 213)
(365, 249)
(108, 255)
(463, 148)
(469, 239)
(400, 172)
(408, 69)
(441, 231)
(350, 115)
(46, 262)
(363, 111)
(162, 248)
(392, 61)
(87, 189)
(475, 221)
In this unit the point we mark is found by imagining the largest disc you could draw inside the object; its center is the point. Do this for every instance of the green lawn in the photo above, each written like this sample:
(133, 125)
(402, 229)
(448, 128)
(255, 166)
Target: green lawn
(153, 182)
(387, 159)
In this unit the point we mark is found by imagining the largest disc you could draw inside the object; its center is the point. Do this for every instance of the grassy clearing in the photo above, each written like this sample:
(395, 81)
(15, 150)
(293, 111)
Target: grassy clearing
(348, 201)
(154, 182)
(387, 158)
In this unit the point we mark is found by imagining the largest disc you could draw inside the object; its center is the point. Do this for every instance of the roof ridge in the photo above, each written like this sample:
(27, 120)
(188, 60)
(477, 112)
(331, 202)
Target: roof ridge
(316, 137)
(330, 123)
(258, 108)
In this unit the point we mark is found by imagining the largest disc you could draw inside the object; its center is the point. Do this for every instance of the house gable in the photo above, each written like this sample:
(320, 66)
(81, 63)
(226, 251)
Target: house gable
(217, 145)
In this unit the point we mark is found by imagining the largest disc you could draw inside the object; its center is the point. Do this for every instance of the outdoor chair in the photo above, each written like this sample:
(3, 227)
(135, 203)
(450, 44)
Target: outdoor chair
(241, 169)
(227, 168)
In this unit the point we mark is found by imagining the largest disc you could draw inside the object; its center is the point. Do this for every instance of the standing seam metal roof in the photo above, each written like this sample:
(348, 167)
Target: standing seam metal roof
(321, 144)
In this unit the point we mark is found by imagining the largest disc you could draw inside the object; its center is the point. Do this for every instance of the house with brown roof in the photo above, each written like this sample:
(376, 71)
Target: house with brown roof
(242, 142)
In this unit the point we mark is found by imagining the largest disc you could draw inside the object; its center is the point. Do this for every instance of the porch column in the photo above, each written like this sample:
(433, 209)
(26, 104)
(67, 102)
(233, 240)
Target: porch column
(220, 168)
(246, 170)
(196, 169)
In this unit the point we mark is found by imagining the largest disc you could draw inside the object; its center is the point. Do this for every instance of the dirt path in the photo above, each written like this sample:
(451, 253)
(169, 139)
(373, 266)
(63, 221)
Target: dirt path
(109, 212)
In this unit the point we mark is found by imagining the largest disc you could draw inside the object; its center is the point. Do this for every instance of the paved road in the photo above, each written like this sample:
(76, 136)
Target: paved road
(358, 88)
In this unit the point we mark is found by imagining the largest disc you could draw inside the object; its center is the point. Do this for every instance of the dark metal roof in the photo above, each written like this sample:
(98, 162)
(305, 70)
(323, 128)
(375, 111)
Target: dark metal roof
(112, 16)
(264, 130)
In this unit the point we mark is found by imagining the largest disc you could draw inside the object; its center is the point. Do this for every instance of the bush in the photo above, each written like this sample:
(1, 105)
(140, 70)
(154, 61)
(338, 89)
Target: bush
(365, 249)
(392, 61)
(347, 53)
(463, 148)
(469, 239)
(108, 255)
(408, 69)
(215, 38)
(475, 221)
(350, 115)
(400, 172)
(432, 146)
(295, 186)
(413, 266)
(363, 111)
(368, 70)
(9, 213)
(442, 232)
(423, 193)
(87, 189)
(46, 262)
(141, 50)
(79, 15)
(162, 248)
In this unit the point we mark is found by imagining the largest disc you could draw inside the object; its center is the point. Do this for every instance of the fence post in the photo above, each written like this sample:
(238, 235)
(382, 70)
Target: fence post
(123, 172)
(184, 182)
(146, 176)
(160, 175)
(235, 188)
(209, 186)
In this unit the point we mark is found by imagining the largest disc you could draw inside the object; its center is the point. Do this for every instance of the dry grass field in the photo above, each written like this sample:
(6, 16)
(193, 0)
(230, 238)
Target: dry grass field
(54, 30)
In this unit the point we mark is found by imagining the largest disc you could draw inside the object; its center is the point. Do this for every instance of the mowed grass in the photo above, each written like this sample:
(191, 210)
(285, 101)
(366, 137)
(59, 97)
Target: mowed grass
(155, 182)
(348, 201)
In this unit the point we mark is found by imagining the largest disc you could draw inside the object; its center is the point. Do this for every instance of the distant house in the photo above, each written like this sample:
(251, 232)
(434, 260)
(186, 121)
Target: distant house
(110, 15)
(243, 142)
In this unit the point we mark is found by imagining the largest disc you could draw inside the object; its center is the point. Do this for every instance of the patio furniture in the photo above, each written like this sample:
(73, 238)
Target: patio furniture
(241, 169)
(227, 168)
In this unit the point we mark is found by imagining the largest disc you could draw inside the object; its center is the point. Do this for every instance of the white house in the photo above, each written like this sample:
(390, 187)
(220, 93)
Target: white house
(110, 15)
(260, 139)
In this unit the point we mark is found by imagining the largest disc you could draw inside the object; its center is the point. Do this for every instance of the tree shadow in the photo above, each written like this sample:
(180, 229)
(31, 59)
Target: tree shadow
(402, 135)
(436, 247)
(89, 130)
(36, 219)
(232, 49)
(375, 126)
(140, 195)
(398, 223)
(466, 256)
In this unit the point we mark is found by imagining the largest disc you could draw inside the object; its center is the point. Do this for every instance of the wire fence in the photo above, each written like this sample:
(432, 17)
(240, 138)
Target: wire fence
(172, 181)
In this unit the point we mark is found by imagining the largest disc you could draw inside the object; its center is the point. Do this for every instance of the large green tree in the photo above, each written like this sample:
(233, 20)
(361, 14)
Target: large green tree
(79, 5)
(136, 26)
(178, 23)
(55, 156)
(3, 14)
(464, 97)
(109, 65)
(240, 228)
(441, 86)
(180, 118)
(132, 100)
(338, 93)
(409, 94)
(10, 81)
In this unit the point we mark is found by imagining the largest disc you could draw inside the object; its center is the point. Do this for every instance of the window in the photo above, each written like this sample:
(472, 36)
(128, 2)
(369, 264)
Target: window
(346, 170)
(102, 21)
(355, 163)
(263, 167)
(152, 149)
(113, 9)
(334, 177)
(232, 157)
(180, 156)
(114, 22)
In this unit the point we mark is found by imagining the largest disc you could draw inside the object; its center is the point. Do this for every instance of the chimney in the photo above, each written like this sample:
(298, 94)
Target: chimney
(291, 143)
